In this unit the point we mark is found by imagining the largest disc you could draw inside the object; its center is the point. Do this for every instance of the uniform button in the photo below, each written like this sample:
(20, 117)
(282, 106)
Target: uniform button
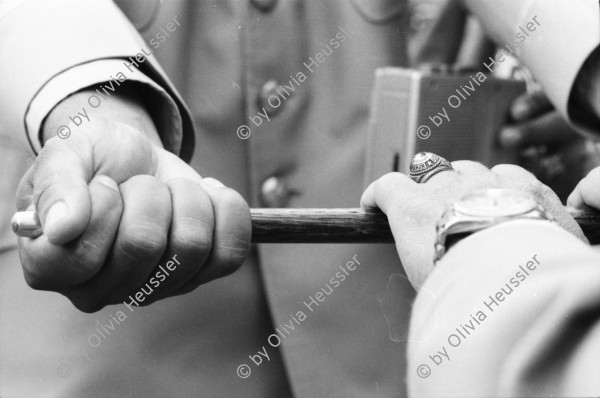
(272, 97)
(275, 192)
(264, 5)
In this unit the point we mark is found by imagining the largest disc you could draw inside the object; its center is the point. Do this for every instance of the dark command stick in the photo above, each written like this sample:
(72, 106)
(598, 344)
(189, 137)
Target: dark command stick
(321, 225)
(357, 225)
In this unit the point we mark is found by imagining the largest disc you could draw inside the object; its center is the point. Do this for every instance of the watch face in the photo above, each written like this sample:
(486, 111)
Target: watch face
(496, 203)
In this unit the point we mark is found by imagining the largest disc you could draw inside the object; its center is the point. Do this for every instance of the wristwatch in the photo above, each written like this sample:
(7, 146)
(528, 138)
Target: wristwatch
(483, 209)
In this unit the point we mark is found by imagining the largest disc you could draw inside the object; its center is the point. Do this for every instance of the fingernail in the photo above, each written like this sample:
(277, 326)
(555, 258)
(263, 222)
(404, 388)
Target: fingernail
(510, 137)
(57, 212)
(211, 182)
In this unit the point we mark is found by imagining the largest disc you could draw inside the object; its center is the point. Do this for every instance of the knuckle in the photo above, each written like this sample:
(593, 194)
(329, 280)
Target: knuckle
(230, 198)
(467, 163)
(232, 255)
(142, 179)
(542, 191)
(515, 177)
(503, 168)
(92, 257)
(142, 241)
(192, 236)
(593, 176)
(511, 170)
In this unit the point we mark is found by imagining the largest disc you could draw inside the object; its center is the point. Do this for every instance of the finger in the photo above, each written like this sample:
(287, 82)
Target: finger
(231, 237)
(468, 167)
(50, 267)
(386, 190)
(530, 105)
(411, 213)
(58, 187)
(515, 177)
(550, 128)
(587, 192)
(442, 177)
(138, 247)
(190, 239)
(511, 175)
(448, 177)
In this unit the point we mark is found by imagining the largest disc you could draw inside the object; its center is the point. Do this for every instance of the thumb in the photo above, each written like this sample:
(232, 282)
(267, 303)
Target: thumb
(57, 185)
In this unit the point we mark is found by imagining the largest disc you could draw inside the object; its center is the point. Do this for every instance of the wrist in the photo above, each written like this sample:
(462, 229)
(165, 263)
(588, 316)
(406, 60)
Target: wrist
(481, 210)
(82, 108)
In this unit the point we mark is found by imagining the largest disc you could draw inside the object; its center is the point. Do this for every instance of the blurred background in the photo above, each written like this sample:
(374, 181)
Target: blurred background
(442, 33)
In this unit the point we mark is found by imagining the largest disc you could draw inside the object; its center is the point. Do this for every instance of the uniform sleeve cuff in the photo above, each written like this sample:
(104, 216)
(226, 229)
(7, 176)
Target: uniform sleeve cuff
(501, 235)
(165, 112)
(580, 107)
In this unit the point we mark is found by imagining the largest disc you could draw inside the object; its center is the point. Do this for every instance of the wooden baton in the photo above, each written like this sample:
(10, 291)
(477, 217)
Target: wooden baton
(321, 225)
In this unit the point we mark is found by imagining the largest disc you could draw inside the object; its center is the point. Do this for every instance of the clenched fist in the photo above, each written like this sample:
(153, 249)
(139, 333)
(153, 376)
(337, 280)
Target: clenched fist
(114, 206)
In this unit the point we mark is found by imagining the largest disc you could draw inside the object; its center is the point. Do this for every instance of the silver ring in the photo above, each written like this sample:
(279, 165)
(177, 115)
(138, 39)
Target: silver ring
(425, 165)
